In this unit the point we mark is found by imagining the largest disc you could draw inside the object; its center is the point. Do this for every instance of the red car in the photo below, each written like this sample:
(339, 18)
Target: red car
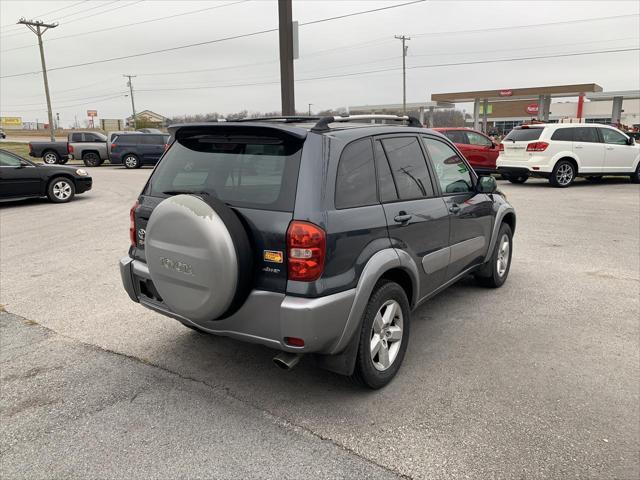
(479, 150)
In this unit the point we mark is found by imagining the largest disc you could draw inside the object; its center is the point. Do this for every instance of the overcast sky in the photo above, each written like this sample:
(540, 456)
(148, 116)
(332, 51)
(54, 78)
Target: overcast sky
(439, 33)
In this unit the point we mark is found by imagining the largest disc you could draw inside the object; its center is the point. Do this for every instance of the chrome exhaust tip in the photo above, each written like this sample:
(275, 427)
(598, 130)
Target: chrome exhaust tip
(286, 360)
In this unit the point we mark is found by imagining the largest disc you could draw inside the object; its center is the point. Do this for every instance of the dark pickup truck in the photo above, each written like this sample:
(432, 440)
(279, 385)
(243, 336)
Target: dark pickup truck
(90, 147)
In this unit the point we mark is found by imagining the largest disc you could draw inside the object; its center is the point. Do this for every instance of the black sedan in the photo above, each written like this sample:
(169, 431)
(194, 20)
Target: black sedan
(20, 179)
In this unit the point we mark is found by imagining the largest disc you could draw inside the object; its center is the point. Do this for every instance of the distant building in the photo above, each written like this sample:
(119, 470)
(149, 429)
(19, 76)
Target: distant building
(147, 118)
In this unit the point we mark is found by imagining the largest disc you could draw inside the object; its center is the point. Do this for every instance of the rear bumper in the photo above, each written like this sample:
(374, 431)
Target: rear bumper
(519, 171)
(265, 318)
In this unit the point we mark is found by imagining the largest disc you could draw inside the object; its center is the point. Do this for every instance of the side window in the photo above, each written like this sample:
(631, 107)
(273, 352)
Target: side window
(586, 134)
(613, 137)
(75, 137)
(356, 177)
(453, 174)
(408, 167)
(563, 134)
(7, 160)
(477, 139)
(456, 136)
(386, 186)
(147, 140)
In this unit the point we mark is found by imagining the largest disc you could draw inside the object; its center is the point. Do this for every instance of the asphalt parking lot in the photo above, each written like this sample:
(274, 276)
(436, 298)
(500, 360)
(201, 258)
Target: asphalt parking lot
(538, 379)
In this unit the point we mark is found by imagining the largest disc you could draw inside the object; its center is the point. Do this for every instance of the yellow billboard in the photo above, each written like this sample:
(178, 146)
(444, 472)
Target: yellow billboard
(11, 121)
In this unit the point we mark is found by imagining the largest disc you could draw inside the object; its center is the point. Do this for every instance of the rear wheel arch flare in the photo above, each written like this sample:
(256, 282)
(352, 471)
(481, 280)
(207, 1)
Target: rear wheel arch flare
(571, 160)
(510, 219)
(403, 278)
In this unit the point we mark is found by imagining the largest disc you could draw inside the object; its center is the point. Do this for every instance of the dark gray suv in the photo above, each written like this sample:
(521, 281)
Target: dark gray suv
(313, 235)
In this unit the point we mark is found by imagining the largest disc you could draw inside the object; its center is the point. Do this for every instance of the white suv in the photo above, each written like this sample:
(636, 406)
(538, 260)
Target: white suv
(563, 151)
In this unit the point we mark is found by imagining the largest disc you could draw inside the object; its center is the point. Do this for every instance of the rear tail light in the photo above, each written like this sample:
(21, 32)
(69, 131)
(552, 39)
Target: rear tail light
(69, 148)
(113, 145)
(132, 224)
(501, 147)
(537, 147)
(30, 148)
(306, 247)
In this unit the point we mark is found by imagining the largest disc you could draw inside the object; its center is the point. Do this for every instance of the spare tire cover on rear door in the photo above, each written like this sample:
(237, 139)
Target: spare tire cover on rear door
(199, 257)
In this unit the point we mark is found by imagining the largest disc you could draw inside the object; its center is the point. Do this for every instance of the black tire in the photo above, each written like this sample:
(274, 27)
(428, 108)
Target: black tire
(518, 178)
(563, 174)
(50, 157)
(491, 275)
(63, 161)
(131, 161)
(91, 159)
(61, 190)
(595, 179)
(365, 372)
(635, 177)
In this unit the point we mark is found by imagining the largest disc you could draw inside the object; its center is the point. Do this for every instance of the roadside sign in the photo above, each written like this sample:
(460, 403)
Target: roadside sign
(11, 121)
(505, 93)
(532, 108)
(92, 113)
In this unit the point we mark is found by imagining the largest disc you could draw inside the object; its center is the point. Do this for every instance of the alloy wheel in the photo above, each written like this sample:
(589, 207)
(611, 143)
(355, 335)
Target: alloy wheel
(386, 335)
(62, 190)
(131, 162)
(502, 263)
(564, 174)
(50, 158)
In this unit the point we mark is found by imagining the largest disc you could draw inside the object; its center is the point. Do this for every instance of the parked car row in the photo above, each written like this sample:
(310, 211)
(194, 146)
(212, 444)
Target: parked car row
(131, 149)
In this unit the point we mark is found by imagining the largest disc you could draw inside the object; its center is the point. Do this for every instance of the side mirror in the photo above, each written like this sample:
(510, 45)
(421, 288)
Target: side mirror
(494, 145)
(486, 185)
(631, 141)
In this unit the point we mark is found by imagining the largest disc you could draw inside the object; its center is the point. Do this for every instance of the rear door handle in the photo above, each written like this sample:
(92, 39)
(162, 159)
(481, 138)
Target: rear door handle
(609, 148)
(578, 146)
(402, 217)
(454, 208)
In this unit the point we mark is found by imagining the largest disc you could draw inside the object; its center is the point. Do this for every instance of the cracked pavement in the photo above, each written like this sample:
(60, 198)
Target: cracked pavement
(538, 379)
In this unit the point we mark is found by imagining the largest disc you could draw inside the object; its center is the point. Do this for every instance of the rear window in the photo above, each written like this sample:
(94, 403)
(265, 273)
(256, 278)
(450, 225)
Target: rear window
(456, 136)
(524, 134)
(126, 139)
(242, 170)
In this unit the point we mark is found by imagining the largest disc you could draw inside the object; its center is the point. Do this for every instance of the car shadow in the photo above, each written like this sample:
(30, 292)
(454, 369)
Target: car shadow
(26, 202)
(579, 182)
(247, 367)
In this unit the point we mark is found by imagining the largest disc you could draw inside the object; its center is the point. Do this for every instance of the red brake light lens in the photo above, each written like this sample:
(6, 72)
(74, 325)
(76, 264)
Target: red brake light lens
(501, 147)
(69, 148)
(537, 147)
(113, 145)
(132, 224)
(306, 247)
(30, 148)
(294, 342)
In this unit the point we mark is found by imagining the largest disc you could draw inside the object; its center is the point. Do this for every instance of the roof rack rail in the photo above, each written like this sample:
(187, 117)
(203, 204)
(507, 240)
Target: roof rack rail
(282, 118)
(323, 123)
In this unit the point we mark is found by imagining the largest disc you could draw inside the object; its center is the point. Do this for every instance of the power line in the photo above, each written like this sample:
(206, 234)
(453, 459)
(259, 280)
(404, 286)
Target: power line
(209, 42)
(89, 32)
(96, 97)
(49, 12)
(60, 107)
(533, 25)
(393, 69)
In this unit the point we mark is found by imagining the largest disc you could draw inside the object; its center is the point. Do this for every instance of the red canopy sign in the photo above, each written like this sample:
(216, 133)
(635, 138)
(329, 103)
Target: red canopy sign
(532, 108)
(505, 93)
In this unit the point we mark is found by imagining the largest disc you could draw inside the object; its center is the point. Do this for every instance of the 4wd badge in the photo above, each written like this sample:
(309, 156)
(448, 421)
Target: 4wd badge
(273, 256)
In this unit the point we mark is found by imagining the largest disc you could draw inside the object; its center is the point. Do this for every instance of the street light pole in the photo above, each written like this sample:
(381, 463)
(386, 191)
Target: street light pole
(38, 27)
(133, 105)
(310, 108)
(404, 71)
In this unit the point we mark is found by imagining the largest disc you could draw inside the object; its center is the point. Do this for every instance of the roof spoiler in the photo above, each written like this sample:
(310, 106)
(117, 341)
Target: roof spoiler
(323, 124)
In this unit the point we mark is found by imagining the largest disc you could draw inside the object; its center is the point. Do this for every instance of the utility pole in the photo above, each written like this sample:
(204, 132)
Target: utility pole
(133, 105)
(38, 27)
(310, 108)
(285, 23)
(404, 71)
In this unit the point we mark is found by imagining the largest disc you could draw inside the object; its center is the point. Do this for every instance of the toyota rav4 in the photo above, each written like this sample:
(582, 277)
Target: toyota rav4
(313, 235)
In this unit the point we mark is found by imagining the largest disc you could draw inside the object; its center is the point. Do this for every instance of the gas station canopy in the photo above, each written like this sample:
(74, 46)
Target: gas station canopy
(518, 93)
